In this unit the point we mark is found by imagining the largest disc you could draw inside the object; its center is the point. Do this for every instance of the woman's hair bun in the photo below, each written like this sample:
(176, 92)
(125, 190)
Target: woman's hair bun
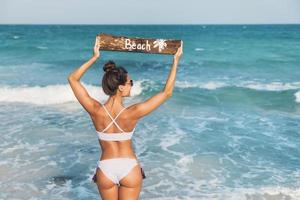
(108, 66)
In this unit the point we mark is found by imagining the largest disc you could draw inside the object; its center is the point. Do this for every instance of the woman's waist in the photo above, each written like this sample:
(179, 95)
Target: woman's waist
(112, 154)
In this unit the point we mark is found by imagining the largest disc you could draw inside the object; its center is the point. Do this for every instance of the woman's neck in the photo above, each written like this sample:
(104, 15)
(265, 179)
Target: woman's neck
(115, 101)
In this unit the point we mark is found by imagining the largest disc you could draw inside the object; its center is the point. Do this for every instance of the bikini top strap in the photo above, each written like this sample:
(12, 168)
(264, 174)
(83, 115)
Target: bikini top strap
(113, 119)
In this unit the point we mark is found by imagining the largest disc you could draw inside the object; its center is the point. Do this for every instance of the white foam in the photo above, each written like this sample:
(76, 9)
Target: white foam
(53, 94)
(136, 88)
(273, 86)
(62, 93)
(185, 160)
(172, 138)
(276, 192)
(21, 146)
(199, 49)
(42, 47)
(297, 95)
(212, 85)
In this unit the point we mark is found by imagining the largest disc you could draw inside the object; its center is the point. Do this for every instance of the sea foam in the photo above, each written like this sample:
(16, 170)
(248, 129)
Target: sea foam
(297, 95)
(52, 94)
(212, 85)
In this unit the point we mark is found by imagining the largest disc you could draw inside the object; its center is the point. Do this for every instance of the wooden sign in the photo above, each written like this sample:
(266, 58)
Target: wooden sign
(136, 44)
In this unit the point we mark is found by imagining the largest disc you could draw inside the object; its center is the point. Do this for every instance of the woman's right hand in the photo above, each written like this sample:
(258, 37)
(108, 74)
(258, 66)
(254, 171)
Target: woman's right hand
(179, 52)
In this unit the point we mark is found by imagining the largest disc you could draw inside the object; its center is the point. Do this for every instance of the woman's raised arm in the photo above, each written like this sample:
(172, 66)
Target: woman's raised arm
(141, 109)
(87, 102)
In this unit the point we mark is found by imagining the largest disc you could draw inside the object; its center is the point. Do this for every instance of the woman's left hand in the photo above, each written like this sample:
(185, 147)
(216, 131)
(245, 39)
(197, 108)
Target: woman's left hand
(96, 53)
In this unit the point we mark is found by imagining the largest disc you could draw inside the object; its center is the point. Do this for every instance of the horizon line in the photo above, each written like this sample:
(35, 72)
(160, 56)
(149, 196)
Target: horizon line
(153, 24)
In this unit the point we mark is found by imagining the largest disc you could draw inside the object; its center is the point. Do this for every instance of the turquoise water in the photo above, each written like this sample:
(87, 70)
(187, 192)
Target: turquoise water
(230, 131)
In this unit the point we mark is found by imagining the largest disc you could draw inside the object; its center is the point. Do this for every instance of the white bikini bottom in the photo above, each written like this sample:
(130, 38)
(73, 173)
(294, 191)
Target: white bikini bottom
(117, 168)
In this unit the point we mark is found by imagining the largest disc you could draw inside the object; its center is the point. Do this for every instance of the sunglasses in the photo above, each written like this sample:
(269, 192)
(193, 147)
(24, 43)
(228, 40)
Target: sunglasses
(131, 82)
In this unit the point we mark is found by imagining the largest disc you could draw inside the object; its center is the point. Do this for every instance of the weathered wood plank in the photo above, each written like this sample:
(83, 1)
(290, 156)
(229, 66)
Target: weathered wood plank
(136, 44)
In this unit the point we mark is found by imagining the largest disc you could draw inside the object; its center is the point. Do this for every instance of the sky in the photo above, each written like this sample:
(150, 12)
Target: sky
(149, 11)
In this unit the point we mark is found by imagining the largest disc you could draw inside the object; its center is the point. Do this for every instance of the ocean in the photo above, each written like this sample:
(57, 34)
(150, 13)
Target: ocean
(231, 129)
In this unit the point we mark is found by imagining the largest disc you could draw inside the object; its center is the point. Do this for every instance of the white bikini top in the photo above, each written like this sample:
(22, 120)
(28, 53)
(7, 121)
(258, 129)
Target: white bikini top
(114, 136)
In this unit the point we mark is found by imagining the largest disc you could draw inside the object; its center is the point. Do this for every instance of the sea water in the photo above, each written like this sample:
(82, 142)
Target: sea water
(231, 129)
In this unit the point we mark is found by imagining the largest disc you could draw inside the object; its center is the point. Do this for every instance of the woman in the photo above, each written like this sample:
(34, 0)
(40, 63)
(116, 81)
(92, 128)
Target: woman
(118, 175)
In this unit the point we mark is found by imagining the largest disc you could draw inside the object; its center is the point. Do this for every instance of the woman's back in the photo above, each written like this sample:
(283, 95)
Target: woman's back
(115, 131)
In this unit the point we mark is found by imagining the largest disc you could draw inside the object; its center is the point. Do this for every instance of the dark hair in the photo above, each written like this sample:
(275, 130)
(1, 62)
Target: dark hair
(113, 77)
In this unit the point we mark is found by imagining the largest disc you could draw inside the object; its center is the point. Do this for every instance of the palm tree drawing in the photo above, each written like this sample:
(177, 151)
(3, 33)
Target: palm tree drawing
(160, 43)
